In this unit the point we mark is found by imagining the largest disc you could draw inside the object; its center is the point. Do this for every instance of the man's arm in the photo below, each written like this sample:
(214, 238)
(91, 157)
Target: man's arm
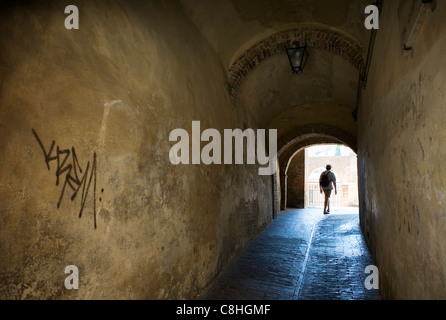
(334, 184)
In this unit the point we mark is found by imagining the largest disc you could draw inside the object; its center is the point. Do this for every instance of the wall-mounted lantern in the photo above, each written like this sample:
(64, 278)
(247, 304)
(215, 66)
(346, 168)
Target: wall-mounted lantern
(298, 57)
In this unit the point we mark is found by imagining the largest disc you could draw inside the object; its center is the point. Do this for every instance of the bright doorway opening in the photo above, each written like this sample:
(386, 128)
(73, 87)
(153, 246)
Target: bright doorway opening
(344, 165)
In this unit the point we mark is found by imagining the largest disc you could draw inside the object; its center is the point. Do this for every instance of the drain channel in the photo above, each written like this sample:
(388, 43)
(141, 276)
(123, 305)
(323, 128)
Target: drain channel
(300, 280)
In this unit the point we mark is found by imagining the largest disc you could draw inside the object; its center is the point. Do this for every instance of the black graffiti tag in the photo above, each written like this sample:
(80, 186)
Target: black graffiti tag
(69, 170)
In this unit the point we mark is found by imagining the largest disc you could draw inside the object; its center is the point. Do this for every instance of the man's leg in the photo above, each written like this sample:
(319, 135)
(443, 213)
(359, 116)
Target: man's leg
(327, 200)
(325, 203)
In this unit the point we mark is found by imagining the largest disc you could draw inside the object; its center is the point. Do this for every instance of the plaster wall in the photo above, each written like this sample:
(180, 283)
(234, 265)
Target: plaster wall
(85, 118)
(402, 173)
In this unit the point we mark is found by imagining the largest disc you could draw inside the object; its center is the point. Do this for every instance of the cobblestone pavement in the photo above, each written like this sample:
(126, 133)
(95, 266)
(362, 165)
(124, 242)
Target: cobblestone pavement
(301, 255)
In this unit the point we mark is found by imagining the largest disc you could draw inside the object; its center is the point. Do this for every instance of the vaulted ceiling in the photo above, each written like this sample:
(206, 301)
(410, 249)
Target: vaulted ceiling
(250, 38)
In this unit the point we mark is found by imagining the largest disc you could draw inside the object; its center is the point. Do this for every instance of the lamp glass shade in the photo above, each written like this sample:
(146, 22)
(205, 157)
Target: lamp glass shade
(298, 57)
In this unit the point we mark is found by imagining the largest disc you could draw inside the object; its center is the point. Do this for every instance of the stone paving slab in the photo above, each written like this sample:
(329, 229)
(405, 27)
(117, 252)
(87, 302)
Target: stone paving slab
(302, 254)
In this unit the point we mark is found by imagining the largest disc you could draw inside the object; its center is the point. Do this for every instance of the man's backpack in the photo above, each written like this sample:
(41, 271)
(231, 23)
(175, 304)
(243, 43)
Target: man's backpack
(325, 181)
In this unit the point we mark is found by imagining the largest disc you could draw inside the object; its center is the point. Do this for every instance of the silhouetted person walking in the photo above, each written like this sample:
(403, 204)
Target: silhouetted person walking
(326, 182)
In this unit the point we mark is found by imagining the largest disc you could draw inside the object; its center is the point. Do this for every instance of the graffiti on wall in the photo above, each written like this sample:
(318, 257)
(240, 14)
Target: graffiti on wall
(77, 181)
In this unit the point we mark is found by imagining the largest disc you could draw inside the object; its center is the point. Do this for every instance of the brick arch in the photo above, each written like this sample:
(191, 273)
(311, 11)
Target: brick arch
(315, 131)
(316, 37)
(286, 157)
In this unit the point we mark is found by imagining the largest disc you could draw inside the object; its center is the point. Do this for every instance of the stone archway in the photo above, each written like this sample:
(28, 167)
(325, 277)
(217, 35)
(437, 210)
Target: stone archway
(301, 137)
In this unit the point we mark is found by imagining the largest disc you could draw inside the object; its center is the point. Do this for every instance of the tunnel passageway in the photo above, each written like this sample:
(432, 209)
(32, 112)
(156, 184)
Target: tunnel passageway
(301, 255)
(102, 166)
